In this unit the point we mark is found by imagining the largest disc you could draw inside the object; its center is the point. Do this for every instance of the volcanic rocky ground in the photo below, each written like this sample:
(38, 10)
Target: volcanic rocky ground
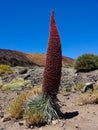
(77, 116)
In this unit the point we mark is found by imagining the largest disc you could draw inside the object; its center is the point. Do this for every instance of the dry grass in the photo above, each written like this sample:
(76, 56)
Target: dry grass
(35, 118)
(16, 108)
(15, 83)
(88, 98)
(5, 70)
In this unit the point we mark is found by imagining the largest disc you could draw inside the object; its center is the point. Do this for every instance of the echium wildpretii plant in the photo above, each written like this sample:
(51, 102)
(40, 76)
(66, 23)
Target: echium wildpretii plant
(44, 108)
(52, 71)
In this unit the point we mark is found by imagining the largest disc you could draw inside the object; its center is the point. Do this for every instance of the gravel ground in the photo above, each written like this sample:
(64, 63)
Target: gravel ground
(77, 117)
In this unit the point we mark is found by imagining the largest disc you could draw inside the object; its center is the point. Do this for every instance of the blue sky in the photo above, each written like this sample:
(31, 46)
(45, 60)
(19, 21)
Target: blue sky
(24, 25)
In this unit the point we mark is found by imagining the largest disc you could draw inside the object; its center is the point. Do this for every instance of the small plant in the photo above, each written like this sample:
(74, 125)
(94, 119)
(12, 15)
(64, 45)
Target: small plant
(63, 91)
(66, 66)
(86, 62)
(78, 87)
(40, 106)
(69, 89)
(15, 83)
(88, 98)
(16, 108)
(74, 88)
(1, 82)
(5, 70)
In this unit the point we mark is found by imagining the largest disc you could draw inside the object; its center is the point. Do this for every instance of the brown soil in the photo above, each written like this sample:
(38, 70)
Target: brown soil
(39, 59)
(77, 117)
(14, 58)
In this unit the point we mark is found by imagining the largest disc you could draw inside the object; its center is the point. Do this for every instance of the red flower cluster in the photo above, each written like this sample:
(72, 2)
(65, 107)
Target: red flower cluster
(52, 71)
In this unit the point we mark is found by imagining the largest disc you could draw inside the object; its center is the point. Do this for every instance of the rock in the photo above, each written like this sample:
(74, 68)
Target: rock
(23, 71)
(68, 98)
(69, 76)
(88, 85)
(76, 126)
(61, 124)
(54, 122)
(1, 114)
(31, 126)
(6, 118)
(26, 76)
(21, 123)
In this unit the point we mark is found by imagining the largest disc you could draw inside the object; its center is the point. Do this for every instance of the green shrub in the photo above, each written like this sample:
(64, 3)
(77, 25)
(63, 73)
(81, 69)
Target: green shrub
(5, 69)
(86, 62)
(79, 86)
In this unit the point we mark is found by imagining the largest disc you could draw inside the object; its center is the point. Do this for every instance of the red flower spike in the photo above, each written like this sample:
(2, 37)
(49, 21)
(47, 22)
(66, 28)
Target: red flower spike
(52, 70)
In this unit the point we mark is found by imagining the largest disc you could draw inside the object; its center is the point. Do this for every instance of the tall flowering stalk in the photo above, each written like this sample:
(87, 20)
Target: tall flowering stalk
(52, 71)
(43, 108)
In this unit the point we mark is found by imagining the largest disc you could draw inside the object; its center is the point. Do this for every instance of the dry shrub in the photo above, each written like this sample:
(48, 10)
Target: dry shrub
(35, 118)
(15, 83)
(88, 98)
(5, 70)
(16, 108)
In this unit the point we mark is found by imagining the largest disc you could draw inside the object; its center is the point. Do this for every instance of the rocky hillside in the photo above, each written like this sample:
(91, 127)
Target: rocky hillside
(16, 58)
(32, 76)
(39, 59)
(22, 79)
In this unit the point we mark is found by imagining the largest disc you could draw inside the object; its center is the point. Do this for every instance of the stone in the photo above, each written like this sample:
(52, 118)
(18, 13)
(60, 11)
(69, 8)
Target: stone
(21, 123)
(76, 126)
(6, 118)
(23, 71)
(26, 76)
(61, 124)
(87, 86)
(31, 127)
(1, 114)
(54, 122)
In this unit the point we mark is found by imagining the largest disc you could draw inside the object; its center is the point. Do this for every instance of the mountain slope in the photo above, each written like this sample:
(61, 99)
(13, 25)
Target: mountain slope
(39, 59)
(17, 58)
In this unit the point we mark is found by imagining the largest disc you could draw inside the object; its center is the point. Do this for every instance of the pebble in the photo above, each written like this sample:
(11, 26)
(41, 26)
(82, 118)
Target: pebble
(77, 126)
(31, 126)
(7, 118)
(61, 124)
(54, 122)
(21, 123)
(1, 114)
